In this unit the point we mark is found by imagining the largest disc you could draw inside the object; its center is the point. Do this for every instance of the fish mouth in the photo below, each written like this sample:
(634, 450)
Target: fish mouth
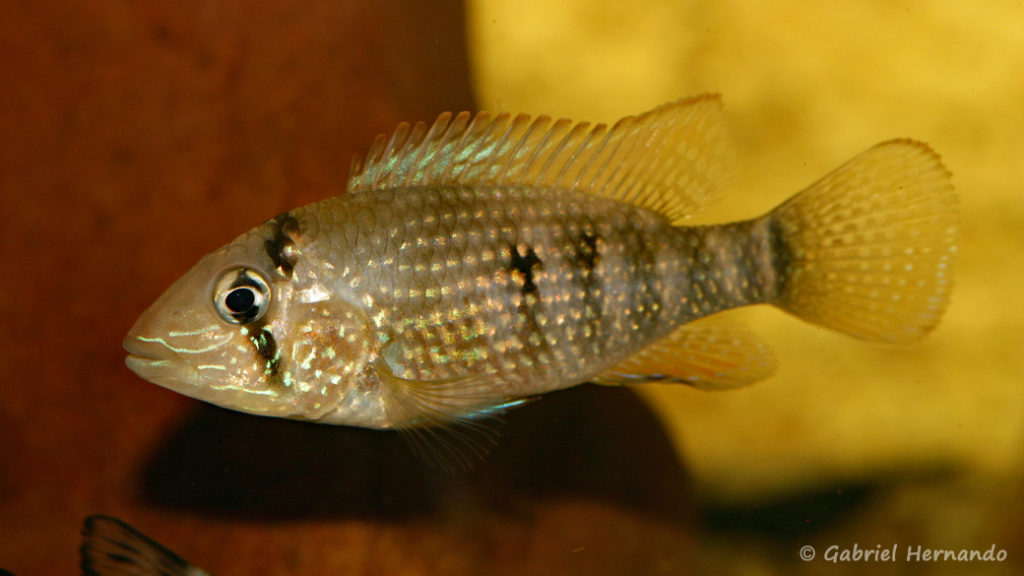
(152, 360)
(143, 365)
(142, 351)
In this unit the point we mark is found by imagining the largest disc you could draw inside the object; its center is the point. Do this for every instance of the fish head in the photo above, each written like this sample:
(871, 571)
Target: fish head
(238, 332)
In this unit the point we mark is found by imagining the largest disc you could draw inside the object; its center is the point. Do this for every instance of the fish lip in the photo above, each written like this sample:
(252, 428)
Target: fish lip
(136, 363)
(146, 357)
(153, 361)
(141, 350)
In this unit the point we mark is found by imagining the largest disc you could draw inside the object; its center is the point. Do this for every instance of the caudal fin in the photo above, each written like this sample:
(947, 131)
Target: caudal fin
(868, 249)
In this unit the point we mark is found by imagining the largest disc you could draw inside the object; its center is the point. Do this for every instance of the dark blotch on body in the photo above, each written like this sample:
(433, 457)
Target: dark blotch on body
(281, 247)
(584, 257)
(524, 265)
(782, 256)
(647, 296)
(584, 254)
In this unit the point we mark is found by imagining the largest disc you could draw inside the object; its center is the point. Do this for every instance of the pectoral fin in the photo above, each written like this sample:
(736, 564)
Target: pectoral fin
(709, 354)
(444, 420)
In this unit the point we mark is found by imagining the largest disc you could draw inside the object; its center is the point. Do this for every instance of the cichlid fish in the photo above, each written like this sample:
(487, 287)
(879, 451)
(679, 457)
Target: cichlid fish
(110, 547)
(483, 260)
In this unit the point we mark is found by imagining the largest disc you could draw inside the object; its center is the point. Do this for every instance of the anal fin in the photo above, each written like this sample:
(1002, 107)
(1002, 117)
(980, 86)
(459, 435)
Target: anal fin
(709, 354)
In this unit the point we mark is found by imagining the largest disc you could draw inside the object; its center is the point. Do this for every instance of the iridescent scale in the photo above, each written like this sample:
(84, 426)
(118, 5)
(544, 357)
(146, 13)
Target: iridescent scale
(540, 288)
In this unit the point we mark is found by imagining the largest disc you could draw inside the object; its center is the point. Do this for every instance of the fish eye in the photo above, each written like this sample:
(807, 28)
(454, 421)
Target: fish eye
(241, 296)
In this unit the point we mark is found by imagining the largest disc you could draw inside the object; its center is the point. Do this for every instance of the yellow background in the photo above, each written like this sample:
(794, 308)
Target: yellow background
(807, 86)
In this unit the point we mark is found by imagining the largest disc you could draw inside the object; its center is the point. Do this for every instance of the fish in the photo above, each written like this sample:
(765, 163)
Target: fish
(111, 547)
(480, 261)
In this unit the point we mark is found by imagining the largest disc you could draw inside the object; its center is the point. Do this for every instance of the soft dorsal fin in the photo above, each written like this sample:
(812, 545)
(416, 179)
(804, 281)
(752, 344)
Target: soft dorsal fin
(672, 159)
(710, 354)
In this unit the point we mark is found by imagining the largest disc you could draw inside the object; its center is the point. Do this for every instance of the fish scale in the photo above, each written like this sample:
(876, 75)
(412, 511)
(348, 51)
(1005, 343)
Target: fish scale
(486, 259)
(528, 322)
(486, 289)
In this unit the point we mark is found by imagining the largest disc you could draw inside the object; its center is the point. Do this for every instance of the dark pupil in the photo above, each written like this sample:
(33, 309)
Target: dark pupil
(240, 300)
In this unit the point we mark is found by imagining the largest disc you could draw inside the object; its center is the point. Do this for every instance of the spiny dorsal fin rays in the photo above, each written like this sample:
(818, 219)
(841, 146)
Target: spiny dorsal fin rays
(672, 159)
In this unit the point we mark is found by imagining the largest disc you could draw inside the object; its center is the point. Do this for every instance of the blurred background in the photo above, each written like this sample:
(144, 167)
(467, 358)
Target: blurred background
(136, 137)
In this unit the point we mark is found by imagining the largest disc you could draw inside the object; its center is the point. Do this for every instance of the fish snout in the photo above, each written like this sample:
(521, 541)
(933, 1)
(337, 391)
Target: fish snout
(153, 359)
(147, 357)
(144, 348)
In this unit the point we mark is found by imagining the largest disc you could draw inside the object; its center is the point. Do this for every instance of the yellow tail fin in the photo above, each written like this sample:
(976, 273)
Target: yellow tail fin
(868, 249)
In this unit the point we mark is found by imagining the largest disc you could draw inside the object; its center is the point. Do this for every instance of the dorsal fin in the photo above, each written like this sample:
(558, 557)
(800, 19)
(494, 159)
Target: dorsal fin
(672, 159)
(111, 546)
